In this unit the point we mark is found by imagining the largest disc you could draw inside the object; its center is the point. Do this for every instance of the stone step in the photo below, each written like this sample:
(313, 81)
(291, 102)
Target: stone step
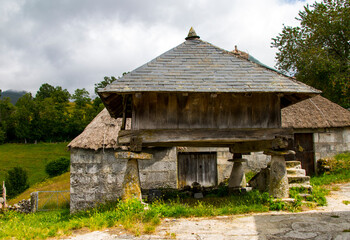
(295, 171)
(293, 164)
(298, 179)
(301, 185)
(304, 195)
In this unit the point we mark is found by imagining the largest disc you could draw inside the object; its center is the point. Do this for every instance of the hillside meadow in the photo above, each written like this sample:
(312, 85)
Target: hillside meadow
(31, 157)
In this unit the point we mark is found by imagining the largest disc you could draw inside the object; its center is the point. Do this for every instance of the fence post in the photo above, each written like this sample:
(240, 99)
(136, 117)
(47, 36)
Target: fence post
(34, 201)
(4, 194)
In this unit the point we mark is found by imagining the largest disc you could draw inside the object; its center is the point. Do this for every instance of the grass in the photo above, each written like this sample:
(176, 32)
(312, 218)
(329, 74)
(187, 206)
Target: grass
(32, 157)
(58, 183)
(133, 216)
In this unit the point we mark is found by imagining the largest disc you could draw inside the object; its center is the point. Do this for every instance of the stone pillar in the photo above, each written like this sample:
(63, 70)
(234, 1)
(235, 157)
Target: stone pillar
(131, 184)
(237, 178)
(278, 182)
(131, 188)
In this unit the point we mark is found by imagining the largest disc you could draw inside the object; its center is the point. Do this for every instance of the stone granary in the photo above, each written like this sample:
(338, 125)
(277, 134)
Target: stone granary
(194, 95)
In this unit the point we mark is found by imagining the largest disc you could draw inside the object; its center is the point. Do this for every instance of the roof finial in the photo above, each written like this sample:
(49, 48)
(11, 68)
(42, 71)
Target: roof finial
(192, 35)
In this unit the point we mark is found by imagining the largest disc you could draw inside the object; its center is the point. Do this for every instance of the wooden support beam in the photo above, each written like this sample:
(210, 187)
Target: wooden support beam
(258, 146)
(203, 137)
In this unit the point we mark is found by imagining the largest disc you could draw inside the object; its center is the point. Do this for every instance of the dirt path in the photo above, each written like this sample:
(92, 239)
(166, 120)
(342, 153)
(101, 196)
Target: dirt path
(324, 223)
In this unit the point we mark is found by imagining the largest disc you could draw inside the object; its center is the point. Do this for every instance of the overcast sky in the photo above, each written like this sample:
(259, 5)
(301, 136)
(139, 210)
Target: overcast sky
(75, 43)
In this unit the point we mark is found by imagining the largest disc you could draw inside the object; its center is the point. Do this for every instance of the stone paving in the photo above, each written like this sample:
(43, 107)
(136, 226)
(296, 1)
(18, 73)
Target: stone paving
(326, 223)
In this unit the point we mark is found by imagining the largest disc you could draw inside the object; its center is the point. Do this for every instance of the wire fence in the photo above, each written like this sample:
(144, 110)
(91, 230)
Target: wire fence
(50, 200)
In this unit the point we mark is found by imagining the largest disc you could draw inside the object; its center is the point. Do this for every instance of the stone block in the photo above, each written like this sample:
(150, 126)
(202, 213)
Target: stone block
(111, 178)
(198, 195)
(327, 138)
(157, 166)
(92, 168)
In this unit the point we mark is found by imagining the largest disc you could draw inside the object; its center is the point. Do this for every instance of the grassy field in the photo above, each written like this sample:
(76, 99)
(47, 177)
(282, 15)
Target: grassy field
(32, 157)
(58, 183)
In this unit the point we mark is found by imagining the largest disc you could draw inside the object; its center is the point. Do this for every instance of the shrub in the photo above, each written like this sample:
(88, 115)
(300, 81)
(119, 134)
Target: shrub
(16, 181)
(57, 167)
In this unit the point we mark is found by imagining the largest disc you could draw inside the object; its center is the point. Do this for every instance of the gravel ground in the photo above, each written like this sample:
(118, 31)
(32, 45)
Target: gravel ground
(331, 222)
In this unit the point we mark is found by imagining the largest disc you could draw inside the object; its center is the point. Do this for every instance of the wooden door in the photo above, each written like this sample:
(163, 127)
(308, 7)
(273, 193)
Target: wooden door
(304, 149)
(197, 167)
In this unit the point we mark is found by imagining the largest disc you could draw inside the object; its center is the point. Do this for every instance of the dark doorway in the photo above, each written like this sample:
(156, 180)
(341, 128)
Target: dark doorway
(197, 167)
(304, 149)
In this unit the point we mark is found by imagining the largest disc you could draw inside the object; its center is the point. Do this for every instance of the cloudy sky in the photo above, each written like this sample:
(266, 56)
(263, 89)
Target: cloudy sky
(75, 43)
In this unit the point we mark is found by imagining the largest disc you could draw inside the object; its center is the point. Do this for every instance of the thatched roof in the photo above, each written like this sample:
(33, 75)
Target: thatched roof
(102, 132)
(316, 112)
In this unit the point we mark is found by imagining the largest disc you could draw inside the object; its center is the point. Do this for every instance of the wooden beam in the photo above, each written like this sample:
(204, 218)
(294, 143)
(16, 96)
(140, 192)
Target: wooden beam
(200, 137)
(258, 146)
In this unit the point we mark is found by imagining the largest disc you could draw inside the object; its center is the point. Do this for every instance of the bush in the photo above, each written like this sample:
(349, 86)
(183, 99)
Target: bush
(57, 167)
(16, 181)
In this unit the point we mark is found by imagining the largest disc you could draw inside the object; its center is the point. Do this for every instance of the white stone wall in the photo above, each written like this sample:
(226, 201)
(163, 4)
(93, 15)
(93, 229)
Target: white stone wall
(330, 142)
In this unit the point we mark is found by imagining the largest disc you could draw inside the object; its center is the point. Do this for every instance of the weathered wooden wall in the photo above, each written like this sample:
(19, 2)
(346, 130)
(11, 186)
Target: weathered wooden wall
(204, 110)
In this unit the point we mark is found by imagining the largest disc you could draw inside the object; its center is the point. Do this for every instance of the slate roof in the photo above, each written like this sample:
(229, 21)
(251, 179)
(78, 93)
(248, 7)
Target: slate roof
(198, 66)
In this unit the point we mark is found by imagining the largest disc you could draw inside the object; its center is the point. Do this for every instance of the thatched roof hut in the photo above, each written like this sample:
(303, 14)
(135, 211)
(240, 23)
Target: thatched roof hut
(316, 112)
(101, 133)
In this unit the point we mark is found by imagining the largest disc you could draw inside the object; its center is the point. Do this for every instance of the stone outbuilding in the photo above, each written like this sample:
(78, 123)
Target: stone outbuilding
(321, 129)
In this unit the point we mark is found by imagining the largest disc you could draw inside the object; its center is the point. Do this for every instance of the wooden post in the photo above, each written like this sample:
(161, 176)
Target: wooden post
(278, 182)
(131, 182)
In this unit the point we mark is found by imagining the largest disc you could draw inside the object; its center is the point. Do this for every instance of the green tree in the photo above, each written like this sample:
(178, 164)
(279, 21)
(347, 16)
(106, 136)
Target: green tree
(53, 103)
(81, 98)
(6, 123)
(317, 51)
(16, 181)
(25, 117)
(106, 81)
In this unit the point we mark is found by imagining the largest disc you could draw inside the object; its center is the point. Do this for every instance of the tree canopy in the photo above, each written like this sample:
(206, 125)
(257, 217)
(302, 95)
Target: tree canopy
(317, 51)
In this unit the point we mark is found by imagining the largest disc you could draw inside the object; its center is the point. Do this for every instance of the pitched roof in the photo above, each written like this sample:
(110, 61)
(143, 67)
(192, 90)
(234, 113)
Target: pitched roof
(198, 66)
(316, 112)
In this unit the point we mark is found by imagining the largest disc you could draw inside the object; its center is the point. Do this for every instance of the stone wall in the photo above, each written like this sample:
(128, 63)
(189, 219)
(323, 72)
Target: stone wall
(256, 161)
(97, 176)
(329, 142)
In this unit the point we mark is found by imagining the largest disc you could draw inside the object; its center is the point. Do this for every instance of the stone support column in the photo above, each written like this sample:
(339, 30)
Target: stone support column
(278, 182)
(131, 188)
(237, 178)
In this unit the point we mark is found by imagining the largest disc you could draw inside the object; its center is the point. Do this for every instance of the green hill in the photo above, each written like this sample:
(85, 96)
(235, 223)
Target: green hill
(13, 95)
(31, 157)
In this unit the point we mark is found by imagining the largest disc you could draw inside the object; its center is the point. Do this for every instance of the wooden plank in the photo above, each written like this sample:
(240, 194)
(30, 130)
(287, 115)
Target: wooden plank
(200, 137)
(172, 116)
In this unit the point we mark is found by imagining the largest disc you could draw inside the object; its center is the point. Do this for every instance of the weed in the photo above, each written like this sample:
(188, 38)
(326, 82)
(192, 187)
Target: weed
(346, 202)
